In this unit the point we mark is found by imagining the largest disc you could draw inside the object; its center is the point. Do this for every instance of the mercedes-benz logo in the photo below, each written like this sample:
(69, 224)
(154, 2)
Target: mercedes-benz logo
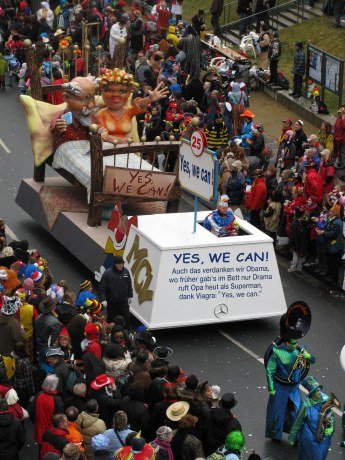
(221, 310)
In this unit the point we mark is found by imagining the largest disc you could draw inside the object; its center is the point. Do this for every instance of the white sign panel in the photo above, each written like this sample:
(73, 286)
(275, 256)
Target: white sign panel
(202, 279)
(198, 174)
(332, 74)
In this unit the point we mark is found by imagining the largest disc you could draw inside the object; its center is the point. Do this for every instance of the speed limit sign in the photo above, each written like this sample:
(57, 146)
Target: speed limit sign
(198, 142)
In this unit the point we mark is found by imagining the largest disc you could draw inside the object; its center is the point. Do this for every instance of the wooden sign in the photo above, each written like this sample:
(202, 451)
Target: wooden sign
(152, 185)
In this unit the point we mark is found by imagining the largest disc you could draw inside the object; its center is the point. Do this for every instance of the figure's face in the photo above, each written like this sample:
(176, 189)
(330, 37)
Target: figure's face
(116, 96)
(208, 393)
(63, 341)
(297, 126)
(52, 360)
(82, 103)
(119, 337)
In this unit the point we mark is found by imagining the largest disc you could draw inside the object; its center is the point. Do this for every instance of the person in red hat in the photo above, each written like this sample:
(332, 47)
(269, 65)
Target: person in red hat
(108, 398)
(90, 343)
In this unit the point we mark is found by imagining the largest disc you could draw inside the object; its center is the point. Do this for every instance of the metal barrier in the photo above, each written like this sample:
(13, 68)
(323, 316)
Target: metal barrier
(273, 17)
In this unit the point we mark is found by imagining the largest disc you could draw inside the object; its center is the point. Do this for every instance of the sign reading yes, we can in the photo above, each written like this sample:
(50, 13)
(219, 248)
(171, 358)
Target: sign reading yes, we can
(198, 168)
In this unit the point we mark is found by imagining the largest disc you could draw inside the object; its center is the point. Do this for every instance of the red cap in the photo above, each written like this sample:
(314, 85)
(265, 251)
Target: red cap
(287, 120)
(91, 331)
(101, 381)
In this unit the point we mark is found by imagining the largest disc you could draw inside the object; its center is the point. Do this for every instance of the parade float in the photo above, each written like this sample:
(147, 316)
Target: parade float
(177, 264)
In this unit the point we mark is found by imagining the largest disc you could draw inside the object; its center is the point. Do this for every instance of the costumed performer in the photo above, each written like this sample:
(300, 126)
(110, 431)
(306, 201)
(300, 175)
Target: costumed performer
(314, 424)
(283, 378)
(222, 221)
(116, 119)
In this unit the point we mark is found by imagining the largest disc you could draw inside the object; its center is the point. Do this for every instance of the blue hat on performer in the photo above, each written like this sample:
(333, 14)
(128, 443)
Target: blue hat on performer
(311, 385)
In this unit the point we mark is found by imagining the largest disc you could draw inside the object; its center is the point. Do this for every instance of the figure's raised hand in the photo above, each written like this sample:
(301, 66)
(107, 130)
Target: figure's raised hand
(160, 92)
(60, 125)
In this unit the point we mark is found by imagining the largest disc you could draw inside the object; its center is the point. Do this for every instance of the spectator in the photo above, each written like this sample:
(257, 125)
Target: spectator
(257, 198)
(11, 332)
(47, 326)
(299, 240)
(339, 137)
(264, 43)
(183, 444)
(298, 70)
(74, 436)
(23, 379)
(272, 214)
(117, 31)
(216, 11)
(326, 137)
(163, 441)
(274, 53)
(118, 433)
(300, 138)
(244, 11)
(12, 433)
(327, 172)
(313, 183)
(54, 439)
(136, 409)
(115, 360)
(89, 424)
(246, 132)
(236, 185)
(100, 446)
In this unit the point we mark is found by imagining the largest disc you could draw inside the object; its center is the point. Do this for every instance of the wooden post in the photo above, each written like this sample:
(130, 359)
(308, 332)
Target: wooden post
(95, 212)
(36, 93)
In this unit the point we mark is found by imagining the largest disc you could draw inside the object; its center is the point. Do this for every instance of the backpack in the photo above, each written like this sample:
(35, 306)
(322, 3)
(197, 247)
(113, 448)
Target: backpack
(218, 455)
(283, 82)
(74, 377)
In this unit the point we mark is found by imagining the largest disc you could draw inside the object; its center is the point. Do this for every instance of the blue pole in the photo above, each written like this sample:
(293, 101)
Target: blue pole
(196, 202)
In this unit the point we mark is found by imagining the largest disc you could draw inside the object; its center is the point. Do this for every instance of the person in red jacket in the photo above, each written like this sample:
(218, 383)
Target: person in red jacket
(163, 17)
(46, 405)
(313, 183)
(55, 439)
(339, 137)
(90, 343)
(257, 198)
(327, 171)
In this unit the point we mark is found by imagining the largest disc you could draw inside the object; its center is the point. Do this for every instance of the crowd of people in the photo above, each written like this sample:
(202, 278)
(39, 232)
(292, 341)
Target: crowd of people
(91, 387)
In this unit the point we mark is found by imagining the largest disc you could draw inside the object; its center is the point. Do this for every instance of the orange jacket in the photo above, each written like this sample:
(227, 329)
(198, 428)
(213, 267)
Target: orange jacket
(258, 195)
(74, 435)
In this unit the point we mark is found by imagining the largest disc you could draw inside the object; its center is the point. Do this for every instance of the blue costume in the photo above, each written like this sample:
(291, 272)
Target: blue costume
(217, 223)
(82, 296)
(305, 429)
(283, 406)
(247, 133)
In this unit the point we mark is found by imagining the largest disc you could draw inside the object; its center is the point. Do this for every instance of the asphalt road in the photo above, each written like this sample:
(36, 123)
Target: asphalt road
(226, 356)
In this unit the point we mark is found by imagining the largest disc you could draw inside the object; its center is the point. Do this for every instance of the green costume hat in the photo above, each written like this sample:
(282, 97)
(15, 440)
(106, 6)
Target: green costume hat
(311, 385)
(234, 441)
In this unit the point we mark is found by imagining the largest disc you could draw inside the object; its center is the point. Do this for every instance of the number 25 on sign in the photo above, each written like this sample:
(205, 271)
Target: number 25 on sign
(198, 142)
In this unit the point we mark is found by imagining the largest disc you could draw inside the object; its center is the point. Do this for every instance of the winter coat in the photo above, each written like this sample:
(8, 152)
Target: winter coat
(11, 333)
(217, 7)
(274, 50)
(258, 195)
(46, 405)
(235, 187)
(53, 440)
(137, 413)
(258, 145)
(287, 151)
(89, 425)
(220, 423)
(116, 286)
(116, 367)
(12, 436)
(47, 326)
(271, 216)
(3, 66)
(299, 239)
(271, 183)
(313, 185)
(327, 173)
(107, 405)
(300, 138)
(171, 35)
(334, 236)
(299, 63)
(339, 130)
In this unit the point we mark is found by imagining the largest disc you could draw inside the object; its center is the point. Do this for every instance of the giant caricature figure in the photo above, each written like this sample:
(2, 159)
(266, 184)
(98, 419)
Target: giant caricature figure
(116, 118)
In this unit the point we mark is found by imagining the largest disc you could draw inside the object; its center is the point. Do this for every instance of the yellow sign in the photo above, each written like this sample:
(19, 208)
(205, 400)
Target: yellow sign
(141, 271)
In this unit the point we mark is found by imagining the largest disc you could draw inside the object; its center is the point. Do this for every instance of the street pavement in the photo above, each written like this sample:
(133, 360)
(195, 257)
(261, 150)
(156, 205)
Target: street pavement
(227, 355)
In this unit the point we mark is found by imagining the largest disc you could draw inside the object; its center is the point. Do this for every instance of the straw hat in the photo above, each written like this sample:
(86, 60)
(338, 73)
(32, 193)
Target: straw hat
(177, 410)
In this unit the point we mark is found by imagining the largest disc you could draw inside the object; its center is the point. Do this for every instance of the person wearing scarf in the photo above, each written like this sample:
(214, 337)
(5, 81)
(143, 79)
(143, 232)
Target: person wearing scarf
(163, 439)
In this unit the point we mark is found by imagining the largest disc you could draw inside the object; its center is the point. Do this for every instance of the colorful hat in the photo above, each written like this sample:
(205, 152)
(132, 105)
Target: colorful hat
(247, 113)
(137, 445)
(311, 385)
(42, 264)
(100, 442)
(11, 305)
(54, 351)
(224, 201)
(28, 284)
(85, 285)
(3, 275)
(177, 410)
(101, 381)
(37, 276)
(287, 120)
(92, 306)
(335, 210)
(91, 331)
(64, 333)
(22, 294)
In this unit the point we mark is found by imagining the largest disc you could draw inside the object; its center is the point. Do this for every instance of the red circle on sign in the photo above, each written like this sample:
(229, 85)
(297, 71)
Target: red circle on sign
(198, 142)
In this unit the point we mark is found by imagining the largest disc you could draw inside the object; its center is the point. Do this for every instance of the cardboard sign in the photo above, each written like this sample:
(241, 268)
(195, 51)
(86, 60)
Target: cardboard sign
(198, 174)
(138, 183)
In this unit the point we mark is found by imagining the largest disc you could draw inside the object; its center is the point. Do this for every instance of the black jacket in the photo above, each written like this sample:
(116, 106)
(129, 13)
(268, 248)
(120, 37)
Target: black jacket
(107, 405)
(220, 423)
(138, 415)
(12, 436)
(300, 138)
(116, 286)
(46, 326)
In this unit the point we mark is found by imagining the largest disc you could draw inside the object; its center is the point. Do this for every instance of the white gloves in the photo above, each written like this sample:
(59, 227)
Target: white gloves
(104, 303)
